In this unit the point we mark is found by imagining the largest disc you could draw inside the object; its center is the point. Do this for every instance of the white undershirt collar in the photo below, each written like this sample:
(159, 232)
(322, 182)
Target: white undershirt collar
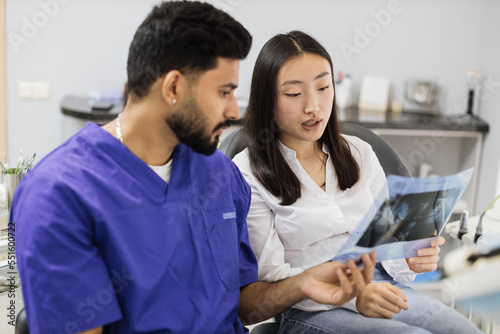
(163, 171)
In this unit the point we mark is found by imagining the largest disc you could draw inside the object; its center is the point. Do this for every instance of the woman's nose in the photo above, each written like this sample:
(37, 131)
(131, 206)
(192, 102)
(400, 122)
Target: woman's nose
(311, 105)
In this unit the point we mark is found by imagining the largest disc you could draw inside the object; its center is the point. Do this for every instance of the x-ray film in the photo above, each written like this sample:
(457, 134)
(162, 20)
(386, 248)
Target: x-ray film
(414, 213)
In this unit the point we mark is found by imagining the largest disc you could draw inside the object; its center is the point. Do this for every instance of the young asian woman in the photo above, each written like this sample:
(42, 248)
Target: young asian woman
(311, 186)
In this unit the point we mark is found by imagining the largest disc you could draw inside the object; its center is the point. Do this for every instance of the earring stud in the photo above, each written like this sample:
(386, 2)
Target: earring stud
(174, 101)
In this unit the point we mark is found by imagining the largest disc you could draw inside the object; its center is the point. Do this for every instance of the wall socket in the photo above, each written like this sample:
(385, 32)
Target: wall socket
(33, 90)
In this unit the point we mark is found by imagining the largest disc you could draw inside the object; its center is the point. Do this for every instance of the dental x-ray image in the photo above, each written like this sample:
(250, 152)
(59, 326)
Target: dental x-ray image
(410, 217)
(407, 218)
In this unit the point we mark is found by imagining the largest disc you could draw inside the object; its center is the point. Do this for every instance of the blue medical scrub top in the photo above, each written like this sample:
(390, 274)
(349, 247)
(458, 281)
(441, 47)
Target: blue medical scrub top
(102, 240)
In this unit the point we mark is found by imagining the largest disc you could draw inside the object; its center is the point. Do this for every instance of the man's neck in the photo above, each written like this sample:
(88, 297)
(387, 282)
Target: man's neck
(145, 132)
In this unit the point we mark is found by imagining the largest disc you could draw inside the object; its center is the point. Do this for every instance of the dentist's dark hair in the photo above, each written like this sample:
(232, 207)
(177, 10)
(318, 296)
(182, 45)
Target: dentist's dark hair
(187, 36)
(261, 133)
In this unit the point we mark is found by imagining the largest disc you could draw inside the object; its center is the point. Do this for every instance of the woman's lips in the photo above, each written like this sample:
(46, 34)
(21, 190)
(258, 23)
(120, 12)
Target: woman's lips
(312, 124)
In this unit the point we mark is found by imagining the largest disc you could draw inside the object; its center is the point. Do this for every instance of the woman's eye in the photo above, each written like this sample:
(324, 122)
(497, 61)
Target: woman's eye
(293, 95)
(324, 88)
(224, 93)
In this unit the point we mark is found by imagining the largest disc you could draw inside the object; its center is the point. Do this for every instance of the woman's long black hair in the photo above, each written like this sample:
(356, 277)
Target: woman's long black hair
(261, 133)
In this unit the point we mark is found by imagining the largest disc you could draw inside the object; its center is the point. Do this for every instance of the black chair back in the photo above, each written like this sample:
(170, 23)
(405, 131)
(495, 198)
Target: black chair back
(388, 158)
(22, 323)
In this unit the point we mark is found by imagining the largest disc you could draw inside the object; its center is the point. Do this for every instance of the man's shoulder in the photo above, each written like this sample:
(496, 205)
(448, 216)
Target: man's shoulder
(67, 159)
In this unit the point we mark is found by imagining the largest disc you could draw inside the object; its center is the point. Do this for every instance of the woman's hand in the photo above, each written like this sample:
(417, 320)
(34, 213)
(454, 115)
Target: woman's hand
(381, 300)
(331, 283)
(334, 283)
(427, 259)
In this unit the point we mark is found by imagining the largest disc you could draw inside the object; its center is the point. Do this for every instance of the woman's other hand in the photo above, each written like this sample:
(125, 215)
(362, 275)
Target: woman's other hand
(427, 258)
(381, 300)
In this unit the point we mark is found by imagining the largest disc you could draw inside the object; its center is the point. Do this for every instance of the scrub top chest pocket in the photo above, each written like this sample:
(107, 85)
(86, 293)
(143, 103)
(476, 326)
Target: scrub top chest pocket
(222, 234)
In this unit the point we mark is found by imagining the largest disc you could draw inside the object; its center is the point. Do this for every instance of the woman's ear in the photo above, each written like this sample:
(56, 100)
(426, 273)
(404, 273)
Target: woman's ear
(172, 87)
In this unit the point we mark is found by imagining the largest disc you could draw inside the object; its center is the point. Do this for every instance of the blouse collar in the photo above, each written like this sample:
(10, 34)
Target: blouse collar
(291, 154)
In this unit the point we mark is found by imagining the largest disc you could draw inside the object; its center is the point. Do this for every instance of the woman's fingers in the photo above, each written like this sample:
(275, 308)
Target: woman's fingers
(428, 251)
(358, 280)
(439, 241)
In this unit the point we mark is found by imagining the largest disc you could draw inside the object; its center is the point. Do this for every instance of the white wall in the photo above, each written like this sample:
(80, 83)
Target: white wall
(84, 46)
(489, 63)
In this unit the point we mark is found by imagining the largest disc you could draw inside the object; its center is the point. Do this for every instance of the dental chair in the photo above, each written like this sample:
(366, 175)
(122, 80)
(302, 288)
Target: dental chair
(22, 323)
(389, 159)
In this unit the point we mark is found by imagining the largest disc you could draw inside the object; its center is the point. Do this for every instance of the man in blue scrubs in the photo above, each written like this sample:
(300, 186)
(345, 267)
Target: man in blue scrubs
(138, 226)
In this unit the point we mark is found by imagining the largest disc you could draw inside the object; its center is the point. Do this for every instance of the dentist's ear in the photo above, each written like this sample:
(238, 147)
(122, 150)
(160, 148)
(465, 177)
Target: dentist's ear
(173, 86)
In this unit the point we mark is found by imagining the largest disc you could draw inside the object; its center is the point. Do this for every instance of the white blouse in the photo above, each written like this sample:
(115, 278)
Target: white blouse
(290, 239)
